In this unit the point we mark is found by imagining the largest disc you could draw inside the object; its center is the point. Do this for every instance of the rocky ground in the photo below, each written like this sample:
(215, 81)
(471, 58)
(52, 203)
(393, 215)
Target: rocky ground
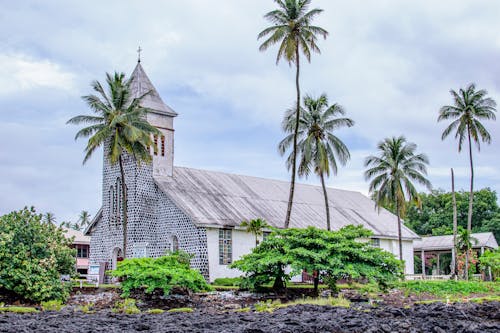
(438, 317)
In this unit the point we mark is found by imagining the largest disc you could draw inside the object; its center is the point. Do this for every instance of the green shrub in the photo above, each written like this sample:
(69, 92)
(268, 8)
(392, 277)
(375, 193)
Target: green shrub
(155, 311)
(181, 310)
(230, 282)
(126, 306)
(450, 287)
(33, 255)
(87, 308)
(490, 260)
(53, 305)
(18, 309)
(336, 254)
(162, 273)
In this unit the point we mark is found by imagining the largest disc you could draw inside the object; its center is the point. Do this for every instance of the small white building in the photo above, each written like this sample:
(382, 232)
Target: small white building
(200, 211)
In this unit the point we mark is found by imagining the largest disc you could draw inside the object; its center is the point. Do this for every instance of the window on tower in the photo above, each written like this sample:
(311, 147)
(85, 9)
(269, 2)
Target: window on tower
(155, 148)
(162, 145)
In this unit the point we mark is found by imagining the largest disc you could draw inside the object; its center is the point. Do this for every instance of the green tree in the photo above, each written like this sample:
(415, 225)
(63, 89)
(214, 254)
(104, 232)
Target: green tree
(83, 220)
(334, 254)
(470, 107)
(318, 148)
(292, 30)
(33, 255)
(120, 126)
(392, 174)
(49, 217)
(256, 227)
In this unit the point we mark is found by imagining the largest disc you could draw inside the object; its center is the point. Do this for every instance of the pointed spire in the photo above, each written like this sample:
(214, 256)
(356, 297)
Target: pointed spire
(140, 84)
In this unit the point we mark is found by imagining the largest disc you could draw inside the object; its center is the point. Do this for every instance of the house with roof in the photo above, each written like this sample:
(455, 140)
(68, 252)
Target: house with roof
(81, 243)
(200, 211)
(436, 252)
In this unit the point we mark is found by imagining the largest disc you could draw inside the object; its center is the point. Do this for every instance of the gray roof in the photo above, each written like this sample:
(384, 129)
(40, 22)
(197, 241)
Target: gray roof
(140, 84)
(220, 199)
(79, 237)
(484, 239)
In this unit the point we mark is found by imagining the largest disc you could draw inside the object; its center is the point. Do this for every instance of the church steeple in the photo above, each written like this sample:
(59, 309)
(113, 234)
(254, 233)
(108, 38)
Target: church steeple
(160, 115)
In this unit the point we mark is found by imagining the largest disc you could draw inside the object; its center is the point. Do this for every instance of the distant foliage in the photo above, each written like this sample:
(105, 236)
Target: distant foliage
(229, 282)
(33, 255)
(435, 217)
(162, 273)
(491, 260)
(335, 254)
(450, 287)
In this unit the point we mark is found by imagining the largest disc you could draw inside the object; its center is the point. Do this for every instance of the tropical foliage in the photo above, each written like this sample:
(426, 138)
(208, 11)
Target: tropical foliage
(334, 254)
(470, 107)
(81, 224)
(120, 126)
(435, 217)
(33, 255)
(256, 227)
(490, 260)
(292, 30)
(318, 149)
(165, 273)
(392, 174)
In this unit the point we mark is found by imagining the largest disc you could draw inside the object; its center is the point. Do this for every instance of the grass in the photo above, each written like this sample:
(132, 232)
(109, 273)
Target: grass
(126, 306)
(18, 309)
(53, 305)
(155, 311)
(449, 287)
(181, 310)
(270, 306)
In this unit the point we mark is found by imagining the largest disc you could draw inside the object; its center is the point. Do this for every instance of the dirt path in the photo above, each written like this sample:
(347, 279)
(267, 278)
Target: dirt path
(436, 318)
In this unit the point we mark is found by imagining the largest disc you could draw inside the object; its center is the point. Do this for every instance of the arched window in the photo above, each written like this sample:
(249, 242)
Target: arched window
(162, 145)
(175, 244)
(118, 198)
(155, 148)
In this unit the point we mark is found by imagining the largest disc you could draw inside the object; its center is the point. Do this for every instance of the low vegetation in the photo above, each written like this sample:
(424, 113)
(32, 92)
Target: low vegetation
(33, 255)
(450, 287)
(126, 306)
(18, 309)
(270, 306)
(162, 273)
(53, 305)
(334, 254)
(228, 282)
(181, 310)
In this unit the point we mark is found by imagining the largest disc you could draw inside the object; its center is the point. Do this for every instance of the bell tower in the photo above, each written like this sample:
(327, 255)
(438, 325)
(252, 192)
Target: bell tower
(161, 116)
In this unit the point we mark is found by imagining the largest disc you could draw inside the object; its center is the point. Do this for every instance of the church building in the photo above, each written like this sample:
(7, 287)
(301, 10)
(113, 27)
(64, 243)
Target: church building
(199, 211)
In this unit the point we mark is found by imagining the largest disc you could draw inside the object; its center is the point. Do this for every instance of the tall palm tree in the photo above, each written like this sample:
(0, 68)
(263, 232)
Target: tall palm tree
(392, 173)
(469, 108)
(83, 220)
(49, 218)
(293, 31)
(120, 126)
(256, 227)
(318, 148)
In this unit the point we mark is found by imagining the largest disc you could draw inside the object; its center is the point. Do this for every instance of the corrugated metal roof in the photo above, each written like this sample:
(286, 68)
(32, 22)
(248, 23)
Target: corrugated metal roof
(222, 199)
(484, 239)
(80, 238)
(140, 84)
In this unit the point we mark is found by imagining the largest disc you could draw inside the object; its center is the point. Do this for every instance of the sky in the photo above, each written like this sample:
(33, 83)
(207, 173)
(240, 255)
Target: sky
(389, 63)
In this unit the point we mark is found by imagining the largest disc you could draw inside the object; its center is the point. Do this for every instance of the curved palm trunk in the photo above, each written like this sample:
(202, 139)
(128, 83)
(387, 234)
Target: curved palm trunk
(294, 153)
(454, 270)
(124, 205)
(328, 226)
(399, 233)
(471, 198)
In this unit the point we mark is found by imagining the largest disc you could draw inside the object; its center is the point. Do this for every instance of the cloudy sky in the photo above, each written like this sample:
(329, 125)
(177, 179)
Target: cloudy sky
(391, 65)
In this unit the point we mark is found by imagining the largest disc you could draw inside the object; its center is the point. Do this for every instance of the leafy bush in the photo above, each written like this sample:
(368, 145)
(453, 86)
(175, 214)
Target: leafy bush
(54, 305)
(491, 260)
(230, 282)
(450, 287)
(33, 255)
(126, 306)
(335, 254)
(162, 273)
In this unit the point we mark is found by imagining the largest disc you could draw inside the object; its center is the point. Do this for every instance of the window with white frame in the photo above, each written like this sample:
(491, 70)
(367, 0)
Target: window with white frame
(375, 242)
(225, 246)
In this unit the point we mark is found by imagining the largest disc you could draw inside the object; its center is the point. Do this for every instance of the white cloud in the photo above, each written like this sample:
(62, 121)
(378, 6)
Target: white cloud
(20, 73)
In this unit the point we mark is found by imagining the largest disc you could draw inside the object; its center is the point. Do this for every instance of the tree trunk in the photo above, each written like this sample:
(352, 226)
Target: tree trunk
(326, 201)
(399, 232)
(316, 281)
(124, 206)
(454, 271)
(294, 153)
(471, 198)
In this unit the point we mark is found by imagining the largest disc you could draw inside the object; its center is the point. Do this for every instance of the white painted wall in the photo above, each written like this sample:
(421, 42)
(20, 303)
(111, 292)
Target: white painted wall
(243, 242)
(391, 245)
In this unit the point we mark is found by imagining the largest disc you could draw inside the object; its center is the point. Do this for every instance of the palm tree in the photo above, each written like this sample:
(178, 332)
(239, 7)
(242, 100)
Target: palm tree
(468, 109)
(293, 31)
(83, 220)
(318, 148)
(49, 218)
(120, 126)
(391, 174)
(464, 244)
(256, 227)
